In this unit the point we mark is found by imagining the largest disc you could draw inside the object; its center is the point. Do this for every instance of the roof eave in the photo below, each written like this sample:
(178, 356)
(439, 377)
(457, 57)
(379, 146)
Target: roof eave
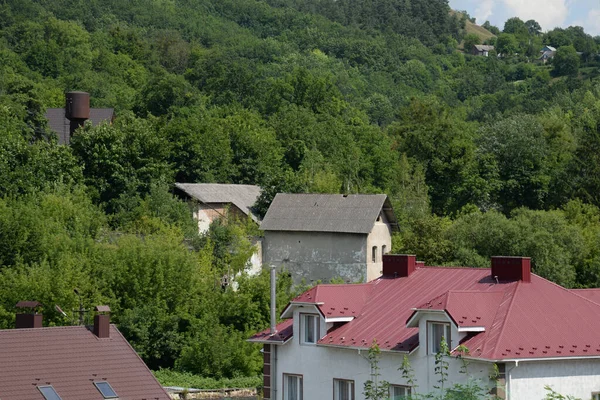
(268, 341)
(338, 346)
(518, 360)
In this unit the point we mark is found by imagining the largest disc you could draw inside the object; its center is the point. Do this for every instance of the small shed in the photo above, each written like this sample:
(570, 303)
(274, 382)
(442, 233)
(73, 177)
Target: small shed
(481, 50)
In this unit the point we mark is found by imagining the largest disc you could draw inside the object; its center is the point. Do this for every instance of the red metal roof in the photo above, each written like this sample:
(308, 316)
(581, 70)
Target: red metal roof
(70, 359)
(521, 320)
(337, 300)
(590, 294)
(285, 331)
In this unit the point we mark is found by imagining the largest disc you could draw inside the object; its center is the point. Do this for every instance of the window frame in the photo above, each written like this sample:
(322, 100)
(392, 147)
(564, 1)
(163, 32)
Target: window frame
(374, 254)
(54, 392)
(316, 329)
(336, 395)
(407, 391)
(430, 339)
(116, 396)
(300, 377)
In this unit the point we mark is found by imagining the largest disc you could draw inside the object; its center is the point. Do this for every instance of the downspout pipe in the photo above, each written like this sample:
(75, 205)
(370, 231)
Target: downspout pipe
(273, 300)
(273, 332)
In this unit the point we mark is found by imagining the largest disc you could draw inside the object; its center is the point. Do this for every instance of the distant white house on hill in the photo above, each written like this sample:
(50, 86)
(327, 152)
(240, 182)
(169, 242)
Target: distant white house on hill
(324, 236)
(547, 53)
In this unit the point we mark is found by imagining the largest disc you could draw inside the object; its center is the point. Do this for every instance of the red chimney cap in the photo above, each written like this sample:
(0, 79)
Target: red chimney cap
(102, 308)
(28, 304)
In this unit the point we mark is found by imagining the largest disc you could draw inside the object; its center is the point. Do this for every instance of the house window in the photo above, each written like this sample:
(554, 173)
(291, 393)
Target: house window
(596, 396)
(49, 393)
(398, 392)
(343, 389)
(437, 332)
(383, 249)
(106, 390)
(309, 326)
(374, 254)
(292, 387)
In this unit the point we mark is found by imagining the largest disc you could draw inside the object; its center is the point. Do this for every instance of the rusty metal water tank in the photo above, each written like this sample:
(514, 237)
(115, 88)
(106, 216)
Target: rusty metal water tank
(77, 105)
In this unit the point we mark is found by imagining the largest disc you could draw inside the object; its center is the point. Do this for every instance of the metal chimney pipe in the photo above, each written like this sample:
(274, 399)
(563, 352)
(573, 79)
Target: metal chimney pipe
(273, 300)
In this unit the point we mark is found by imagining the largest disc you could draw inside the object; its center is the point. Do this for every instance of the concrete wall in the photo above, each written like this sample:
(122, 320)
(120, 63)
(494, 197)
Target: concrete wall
(316, 256)
(380, 236)
(578, 378)
(205, 214)
(319, 365)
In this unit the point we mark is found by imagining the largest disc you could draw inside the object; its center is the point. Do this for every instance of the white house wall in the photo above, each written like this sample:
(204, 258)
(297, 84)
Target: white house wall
(578, 378)
(320, 365)
(316, 256)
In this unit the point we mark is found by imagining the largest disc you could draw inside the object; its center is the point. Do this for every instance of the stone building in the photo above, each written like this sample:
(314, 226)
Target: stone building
(324, 236)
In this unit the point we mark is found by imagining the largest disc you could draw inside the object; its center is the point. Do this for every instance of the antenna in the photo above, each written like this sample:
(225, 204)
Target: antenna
(81, 310)
(57, 308)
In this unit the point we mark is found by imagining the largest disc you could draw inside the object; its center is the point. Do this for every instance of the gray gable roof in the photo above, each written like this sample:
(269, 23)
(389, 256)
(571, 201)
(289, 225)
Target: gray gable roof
(242, 196)
(354, 213)
(60, 124)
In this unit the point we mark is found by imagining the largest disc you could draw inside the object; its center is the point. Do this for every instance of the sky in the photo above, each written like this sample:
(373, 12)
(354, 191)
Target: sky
(548, 13)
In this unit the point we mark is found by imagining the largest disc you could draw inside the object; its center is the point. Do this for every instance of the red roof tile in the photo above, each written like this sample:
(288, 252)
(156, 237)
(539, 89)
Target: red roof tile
(521, 320)
(71, 359)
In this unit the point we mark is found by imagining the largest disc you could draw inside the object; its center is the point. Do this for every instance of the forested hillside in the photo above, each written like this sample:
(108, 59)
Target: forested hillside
(481, 156)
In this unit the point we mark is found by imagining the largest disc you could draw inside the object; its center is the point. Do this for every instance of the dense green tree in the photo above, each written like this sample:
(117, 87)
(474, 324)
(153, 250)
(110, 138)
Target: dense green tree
(431, 134)
(506, 44)
(533, 27)
(471, 40)
(566, 61)
(123, 159)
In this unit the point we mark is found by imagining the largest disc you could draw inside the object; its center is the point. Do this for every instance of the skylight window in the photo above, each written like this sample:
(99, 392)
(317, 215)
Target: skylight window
(106, 390)
(49, 393)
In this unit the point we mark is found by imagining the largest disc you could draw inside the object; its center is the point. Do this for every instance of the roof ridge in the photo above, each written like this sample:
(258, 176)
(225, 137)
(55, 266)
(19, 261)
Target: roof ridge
(571, 291)
(453, 267)
(512, 297)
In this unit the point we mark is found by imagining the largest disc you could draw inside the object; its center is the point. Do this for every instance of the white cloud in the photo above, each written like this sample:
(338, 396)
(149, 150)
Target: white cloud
(548, 13)
(591, 24)
(484, 11)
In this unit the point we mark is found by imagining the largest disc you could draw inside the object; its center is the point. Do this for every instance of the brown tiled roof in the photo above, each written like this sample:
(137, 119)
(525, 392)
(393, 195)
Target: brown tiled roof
(59, 124)
(71, 359)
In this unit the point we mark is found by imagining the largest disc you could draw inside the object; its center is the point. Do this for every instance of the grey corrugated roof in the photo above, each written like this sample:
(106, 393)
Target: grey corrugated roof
(59, 124)
(484, 47)
(355, 213)
(242, 196)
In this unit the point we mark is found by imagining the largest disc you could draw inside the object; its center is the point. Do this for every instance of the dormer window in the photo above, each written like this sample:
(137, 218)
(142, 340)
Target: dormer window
(436, 332)
(309, 328)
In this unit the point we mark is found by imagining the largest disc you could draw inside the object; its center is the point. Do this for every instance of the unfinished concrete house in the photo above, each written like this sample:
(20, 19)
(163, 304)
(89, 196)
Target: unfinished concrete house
(324, 236)
(211, 201)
